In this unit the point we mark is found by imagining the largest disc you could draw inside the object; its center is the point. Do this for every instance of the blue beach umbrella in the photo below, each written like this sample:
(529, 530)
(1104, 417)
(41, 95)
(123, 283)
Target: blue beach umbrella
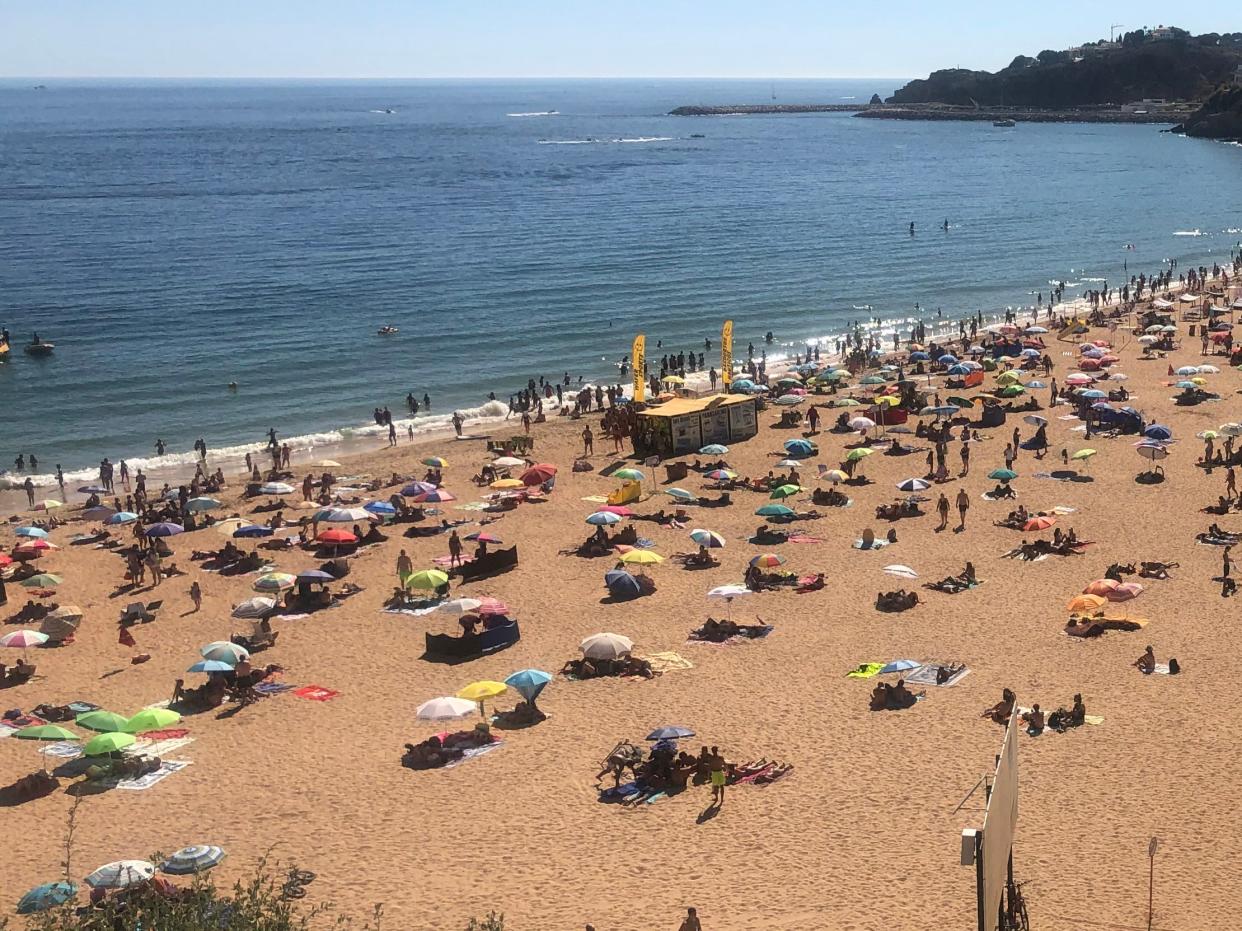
(919, 356)
(603, 519)
(774, 510)
(1158, 431)
(529, 682)
(958, 370)
(670, 732)
(315, 575)
(800, 448)
(1036, 384)
(164, 529)
(252, 530)
(192, 859)
(48, 895)
(414, 489)
(1094, 395)
(900, 665)
(621, 585)
(93, 490)
(36, 533)
(382, 508)
(947, 359)
(122, 517)
(210, 665)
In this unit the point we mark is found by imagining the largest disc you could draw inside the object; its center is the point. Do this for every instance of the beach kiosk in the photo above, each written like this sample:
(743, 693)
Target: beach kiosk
(684, 425)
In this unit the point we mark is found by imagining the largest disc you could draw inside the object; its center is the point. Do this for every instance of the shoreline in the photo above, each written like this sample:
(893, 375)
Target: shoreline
(946, 112)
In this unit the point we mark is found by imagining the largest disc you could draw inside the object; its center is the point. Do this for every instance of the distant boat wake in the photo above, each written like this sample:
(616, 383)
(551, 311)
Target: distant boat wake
(606, 141)
(536, 113)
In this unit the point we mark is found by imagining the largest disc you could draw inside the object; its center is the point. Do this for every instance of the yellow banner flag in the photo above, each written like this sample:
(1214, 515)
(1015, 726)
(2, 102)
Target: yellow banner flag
(726, 353)
(638, 360)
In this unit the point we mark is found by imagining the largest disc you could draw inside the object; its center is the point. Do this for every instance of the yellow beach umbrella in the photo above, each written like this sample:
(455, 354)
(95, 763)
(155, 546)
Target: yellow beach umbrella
(226, 527)
(834, 476)
(1083, 454)
(481, 691)
(1081, 603)
(673, 380)
(641, 558)
(507, 483)
(1008, 378)
(426, 579)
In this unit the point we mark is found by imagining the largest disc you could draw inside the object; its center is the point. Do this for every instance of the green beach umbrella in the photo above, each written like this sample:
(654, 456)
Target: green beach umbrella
(1011, 391)
(151, 719)
(426, 579)
(846, 402)
(874, 380)
(775, 510)
(785, 491)
(957, 401)
(107, 743)
(1003, 475)
(856, 454)
(46, 732)
(100, 720)
(629, 475)
(42, 580)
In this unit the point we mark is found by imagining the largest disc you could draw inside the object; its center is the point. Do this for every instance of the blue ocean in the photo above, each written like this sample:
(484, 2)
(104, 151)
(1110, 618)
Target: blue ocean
(171, 238)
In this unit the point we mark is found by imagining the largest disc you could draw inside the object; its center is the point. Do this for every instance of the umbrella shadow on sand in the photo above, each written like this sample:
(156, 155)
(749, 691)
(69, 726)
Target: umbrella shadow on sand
(1149, 478)
(1067, 475)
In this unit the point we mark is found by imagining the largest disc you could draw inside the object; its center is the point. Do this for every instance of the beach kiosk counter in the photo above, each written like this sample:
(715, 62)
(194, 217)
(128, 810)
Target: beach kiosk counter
(684, 425)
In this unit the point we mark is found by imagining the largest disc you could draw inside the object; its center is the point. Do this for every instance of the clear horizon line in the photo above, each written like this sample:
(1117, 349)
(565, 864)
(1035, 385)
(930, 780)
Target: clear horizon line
(447, 77)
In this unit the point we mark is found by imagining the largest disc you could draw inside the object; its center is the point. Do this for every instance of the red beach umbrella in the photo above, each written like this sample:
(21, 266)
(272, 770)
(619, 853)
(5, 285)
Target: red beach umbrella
(538, 474)
(336, 536)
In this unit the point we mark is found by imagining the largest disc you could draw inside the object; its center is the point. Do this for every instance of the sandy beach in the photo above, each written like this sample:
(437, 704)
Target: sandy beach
(863, 831)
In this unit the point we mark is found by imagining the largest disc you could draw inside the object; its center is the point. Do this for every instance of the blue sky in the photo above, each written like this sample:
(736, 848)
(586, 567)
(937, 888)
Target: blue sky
(555, 38)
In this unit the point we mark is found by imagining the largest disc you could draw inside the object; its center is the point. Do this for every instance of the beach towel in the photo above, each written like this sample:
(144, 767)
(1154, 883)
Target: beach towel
(596, 499)
(167, 733)
(316, 693)
(1093, 719)
(865, 671)
(158, 748)
(273, 688)
(877, 544)
(620, 793)
(470, 506)
(449, 561)
(167, 768)
(65, 750)
(926, 675)
(664, 662)
(803, 538)
(475, 752)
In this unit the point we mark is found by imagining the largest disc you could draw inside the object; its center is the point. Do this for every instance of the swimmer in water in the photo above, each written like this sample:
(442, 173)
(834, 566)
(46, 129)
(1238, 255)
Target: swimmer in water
(946, 226)
(232, 386)
(912, 228)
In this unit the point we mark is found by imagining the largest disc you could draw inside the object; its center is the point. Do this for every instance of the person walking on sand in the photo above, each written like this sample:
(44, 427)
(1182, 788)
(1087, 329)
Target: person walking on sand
(1231, 483)
(942, 508)
(963, 505)
(526, 421)
(196, 596)
(457, 422)
(29, 486)
(691, 921)
(153, 563)
(965, 454)
(588, 441)
(404, 567)
(392, 434)
(454, 549)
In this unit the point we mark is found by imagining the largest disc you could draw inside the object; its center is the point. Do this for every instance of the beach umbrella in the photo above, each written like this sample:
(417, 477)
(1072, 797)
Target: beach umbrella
(1086, 603)
(606, 646)
(255, 607)
(1009, 377)
(1185, 384)
(538, 474)
(739, 384)
(122, 873)
(680, 494)
(426, 579)
(503, 483)
(509, 462)
(1012, 391)
(201, 504)
(947, 359)
(1078, 378)
(446, 708)
(62, 623)
(43, 580)
(670, 732)
(211, 665)
(708, 538)
(435, 462)
(227, 527)
(1035, 384)
(46, 896)
(1003, 475)
(414, 489)
(1158, 432)
(919, 356)
(856, 454)
(721, 475)
(874, 380)
(785, 491)
(108, 742)
(151, 719)
(775, 510)
(192, 859)
(728, 592)
(714, 449)
(800, 448)
(1208, 370)
(629, 475)
(603, 518)
(944, 410)
(225, 651)
(336, 537)
(1230, 429)
(959, 402)
(1188, 370)
(789, 400)
(23, 640)
(481, 536)
(834, 476)
(1083, 454)
(913, 484)
(1035, 420)
(1100, 587)
(252, 530)
(767, 560)
(45, 732)
(435, 496)
(1093, 394)
(34, 546)
(274, 582)
(49, 504)
(92, 490)
(902, 572)
(528, 683)
(845, 402)
(460, 606)
(673, 380)
(958, 370)
(33, 533)
(163, 529)
(275, 488)
(1147, 340)
(343, 515)
(481, 691)
(621, 585)
(1125, 591)
(1040, 522)
(379, 508)
(1152, 452)
(641, 558)
(103, 721)
(900, 665)
(862, 424)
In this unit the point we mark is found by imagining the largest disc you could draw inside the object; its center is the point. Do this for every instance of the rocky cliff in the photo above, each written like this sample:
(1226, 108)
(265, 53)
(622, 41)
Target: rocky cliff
(1182, 67)
(1220, 117)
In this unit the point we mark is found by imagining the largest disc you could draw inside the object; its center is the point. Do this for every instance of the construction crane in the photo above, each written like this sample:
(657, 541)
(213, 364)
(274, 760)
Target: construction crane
(1112, 31)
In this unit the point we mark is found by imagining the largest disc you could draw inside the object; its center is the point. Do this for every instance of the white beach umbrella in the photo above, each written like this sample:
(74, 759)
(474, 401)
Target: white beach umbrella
(344, 515)
(225, 651)
(445, 708)
(459, 606)
(255, 607)
(728, 592)
(902, 572)
(120, 874)
(606, 646)
(275, 488)
(508, 462)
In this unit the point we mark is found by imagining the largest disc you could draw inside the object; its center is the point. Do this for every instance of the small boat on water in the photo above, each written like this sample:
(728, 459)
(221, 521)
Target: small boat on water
(40, 348)
(1004, 124)
(388, 331)
(4, 352)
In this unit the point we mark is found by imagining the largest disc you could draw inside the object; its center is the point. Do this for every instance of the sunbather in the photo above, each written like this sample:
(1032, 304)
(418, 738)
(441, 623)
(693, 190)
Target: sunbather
(900, 600)
(1061, 720)
(1003, 709)
(1146, 663)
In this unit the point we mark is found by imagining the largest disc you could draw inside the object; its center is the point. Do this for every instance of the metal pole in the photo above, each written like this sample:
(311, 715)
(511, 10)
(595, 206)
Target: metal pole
(1151, 878)
(979, 903)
